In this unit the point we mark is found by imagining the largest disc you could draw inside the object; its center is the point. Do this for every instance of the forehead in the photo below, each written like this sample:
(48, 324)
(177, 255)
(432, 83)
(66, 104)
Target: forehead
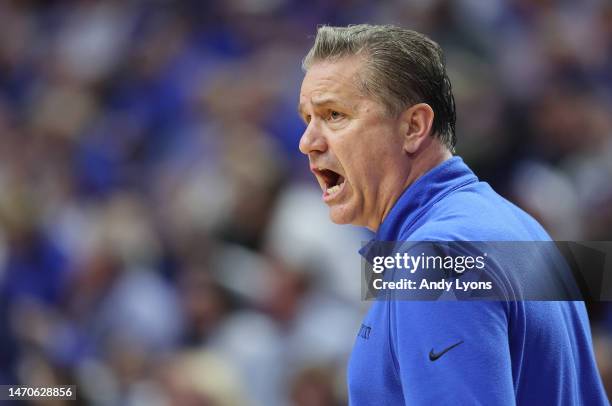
(332, 80)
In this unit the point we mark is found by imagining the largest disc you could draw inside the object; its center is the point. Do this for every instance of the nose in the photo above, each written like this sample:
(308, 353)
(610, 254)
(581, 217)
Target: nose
(312, 140)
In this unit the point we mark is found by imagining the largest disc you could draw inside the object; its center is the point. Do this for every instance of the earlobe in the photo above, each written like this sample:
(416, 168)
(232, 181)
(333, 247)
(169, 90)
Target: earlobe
(417, 120)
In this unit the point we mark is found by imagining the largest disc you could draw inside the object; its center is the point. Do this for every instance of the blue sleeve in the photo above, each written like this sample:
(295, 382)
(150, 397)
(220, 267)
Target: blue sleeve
(477, 371)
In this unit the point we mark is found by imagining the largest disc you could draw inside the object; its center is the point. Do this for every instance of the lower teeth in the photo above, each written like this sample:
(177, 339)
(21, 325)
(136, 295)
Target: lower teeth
(333, 189)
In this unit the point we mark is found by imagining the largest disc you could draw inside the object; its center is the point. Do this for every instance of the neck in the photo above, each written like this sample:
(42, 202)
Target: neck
(420, 164)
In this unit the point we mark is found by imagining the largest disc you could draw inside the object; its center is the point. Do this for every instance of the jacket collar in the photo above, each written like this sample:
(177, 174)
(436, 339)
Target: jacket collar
(422, 194)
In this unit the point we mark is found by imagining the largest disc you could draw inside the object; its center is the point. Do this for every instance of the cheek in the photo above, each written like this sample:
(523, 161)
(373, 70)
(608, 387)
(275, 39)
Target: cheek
(364, 151)
(364, 162)
(369, 181)
(363, 182)
(372, 179)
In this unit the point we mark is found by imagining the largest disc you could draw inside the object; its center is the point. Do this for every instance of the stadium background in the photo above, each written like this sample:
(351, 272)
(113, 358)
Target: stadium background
(161, 240)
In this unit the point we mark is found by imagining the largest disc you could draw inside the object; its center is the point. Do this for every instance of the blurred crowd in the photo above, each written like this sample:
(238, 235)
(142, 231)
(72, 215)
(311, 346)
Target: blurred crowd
(161, 239)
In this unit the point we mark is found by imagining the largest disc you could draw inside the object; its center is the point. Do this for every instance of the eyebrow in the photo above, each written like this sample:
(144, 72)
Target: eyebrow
(320, 102)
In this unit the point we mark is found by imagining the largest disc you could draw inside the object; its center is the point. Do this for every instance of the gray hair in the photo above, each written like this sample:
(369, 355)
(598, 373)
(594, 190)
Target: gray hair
(403, 67)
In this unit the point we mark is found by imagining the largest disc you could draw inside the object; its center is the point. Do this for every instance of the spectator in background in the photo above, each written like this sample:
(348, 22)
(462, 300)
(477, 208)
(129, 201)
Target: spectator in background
(134, 135)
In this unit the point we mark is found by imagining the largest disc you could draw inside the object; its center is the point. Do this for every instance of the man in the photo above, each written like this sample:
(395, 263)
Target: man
(380, 119)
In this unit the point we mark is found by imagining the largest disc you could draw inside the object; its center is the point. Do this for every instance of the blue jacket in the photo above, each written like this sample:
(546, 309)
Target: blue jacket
(520, 352)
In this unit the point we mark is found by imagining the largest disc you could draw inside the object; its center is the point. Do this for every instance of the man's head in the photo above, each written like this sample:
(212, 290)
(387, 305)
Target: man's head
(379, 112)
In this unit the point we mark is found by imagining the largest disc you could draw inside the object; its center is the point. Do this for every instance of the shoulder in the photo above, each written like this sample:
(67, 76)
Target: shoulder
(476, 213)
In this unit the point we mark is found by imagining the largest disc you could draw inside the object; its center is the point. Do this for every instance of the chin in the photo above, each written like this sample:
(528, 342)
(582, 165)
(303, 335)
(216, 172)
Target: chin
(337, 221)
(340, 215)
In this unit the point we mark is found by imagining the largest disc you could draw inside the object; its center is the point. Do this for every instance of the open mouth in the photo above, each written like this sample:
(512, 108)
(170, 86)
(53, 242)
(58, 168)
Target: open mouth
(333, 182)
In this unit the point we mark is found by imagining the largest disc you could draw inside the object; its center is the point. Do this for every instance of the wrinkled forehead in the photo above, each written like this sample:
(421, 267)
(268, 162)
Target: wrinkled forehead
(336, 78)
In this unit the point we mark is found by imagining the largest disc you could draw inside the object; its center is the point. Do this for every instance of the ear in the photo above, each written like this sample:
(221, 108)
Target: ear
(416, 124)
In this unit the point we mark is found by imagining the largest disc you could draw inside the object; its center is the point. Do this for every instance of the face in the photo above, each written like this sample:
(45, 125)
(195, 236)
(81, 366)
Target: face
(353, 145)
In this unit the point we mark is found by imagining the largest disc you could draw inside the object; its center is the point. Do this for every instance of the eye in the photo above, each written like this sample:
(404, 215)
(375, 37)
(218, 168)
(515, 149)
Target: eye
(335, 115)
